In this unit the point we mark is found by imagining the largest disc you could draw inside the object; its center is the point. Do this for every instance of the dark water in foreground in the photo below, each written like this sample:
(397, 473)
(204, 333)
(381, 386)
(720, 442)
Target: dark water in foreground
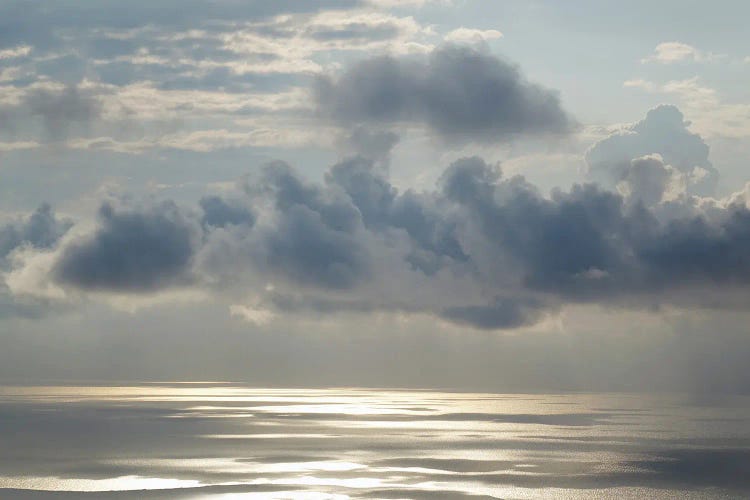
(230, 441)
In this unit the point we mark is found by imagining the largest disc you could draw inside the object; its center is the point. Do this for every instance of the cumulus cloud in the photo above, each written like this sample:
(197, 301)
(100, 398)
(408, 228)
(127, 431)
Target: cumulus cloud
(695, 251)
(460, 93)
(220, 212)
(588, 244)
(481, 249)
(665, 132)
(469, 35)
(40, 230)
(131, 251)
(647, 180)
(432, 235)
(673, 52)
(303, 233)
(713, 115)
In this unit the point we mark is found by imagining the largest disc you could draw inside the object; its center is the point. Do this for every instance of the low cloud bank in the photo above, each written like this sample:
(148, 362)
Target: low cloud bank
(481, 249)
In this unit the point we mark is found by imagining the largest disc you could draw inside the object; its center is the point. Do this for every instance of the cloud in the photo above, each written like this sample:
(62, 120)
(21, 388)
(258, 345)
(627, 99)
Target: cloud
(432, 236)
(694, 251)
(371, 27)
(218, 212)
(665, 132)
(15, 52)
(149, 77)
(460, 93)
(131, 251)
(303, 234)
(673, 52)
(370, 143)
(41, 230)
(527, 254)
(503, 314)
(35, 23)
(250, 314)
(58, 110)
(469, 35)
(647, 180)
(480, 249)
(712, 116)
(404, 3)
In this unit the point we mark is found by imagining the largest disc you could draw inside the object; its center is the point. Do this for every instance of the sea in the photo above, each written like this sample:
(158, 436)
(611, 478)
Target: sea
(219, 440)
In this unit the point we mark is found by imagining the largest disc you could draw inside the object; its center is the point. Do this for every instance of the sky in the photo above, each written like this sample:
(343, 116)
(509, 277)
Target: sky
(509, 195)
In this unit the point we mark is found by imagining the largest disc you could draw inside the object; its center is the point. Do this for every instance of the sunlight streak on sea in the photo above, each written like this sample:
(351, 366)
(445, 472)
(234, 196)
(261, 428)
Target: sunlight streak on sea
(222, 440)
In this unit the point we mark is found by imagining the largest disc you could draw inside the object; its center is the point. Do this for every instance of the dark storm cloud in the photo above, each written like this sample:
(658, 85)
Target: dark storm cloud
(458, 92)
(134, 251)
(42, 229)
(664, 132)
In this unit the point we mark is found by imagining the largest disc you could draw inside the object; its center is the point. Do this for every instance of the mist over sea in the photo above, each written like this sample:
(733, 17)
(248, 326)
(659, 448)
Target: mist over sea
(221, 440)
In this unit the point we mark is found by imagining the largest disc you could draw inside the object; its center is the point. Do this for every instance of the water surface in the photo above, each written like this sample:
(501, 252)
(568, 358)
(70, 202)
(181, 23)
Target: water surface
(219, 440)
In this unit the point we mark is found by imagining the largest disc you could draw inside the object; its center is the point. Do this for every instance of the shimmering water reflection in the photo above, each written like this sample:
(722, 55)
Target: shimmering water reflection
(221, 440)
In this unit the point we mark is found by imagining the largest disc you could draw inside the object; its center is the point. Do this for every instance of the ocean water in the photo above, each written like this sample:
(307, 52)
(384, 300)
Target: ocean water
(221, 441)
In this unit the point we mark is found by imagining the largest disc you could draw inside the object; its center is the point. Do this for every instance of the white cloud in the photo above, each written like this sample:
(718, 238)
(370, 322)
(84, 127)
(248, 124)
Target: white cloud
(711, 116)
(14, 146)
(640, 83)
(672, 52)
(469, 35)
(14, 52)
(254, 315)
